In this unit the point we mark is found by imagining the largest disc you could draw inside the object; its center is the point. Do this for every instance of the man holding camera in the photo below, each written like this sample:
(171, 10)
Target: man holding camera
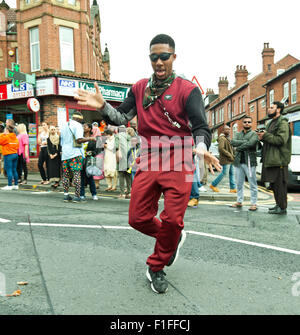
(276, 155)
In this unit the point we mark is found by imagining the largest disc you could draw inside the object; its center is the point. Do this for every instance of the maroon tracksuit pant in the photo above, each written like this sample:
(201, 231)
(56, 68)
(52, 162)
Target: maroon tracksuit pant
(146, 190)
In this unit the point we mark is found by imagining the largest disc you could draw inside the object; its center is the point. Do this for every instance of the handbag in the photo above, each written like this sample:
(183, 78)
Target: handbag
(75, 144)
(91, 167)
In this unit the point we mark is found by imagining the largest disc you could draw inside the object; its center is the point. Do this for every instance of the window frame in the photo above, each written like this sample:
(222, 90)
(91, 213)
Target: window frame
(271, 94)
(286, 88)
(293, 90)
(62, 47)
(33, 44)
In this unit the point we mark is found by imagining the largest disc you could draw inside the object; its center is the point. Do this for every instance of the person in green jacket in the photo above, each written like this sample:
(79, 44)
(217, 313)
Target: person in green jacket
(276, 155)
(245, 162)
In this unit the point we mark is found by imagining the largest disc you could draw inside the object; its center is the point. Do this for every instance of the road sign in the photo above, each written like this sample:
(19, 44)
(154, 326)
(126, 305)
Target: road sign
(195, 81)
(19, 77)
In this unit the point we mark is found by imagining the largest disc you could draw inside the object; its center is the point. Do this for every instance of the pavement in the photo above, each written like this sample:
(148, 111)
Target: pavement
(34, 180)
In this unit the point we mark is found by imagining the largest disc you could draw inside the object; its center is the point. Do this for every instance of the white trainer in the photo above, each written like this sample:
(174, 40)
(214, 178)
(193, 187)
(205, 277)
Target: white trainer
(15, 187)
(95, 197)
(7, 188)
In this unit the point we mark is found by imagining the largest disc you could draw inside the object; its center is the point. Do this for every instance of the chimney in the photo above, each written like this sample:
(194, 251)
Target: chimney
(241, 75)
(210, 91)
(268, 58)
(223, 87)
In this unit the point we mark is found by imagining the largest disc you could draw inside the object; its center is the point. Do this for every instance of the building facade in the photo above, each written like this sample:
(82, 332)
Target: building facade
(247, 97)
(59, 42)
(285, 87)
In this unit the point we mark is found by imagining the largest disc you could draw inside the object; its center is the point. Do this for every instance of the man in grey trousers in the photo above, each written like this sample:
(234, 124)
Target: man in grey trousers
(245, 162)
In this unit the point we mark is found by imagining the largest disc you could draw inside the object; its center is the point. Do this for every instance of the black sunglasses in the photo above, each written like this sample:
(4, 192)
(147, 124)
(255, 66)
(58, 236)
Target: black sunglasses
(163, 56)
(247, 121)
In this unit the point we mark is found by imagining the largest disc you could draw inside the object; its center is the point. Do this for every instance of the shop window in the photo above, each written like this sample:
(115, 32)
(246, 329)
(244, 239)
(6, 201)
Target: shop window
(20, 114)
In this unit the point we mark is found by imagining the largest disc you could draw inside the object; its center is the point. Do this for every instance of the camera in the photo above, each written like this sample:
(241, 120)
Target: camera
(260, 128)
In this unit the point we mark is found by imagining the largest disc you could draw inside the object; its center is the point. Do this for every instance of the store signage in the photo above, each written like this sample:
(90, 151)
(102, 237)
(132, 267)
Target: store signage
(19, 77)
(67, 87)
(3, 92)
(115, 93)
(33, 105)
(293, 116)
(109, 92)
(25, 90)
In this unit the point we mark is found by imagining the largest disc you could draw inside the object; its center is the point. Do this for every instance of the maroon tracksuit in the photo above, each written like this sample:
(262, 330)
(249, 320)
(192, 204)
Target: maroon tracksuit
(184, 105)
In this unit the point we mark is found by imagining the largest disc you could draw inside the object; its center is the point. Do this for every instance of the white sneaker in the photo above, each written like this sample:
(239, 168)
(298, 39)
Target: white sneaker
(95, 197)
(7, 188)
(202, 189)
(15, 187)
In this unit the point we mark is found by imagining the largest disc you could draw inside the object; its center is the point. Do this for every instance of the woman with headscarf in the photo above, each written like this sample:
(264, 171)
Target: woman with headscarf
(54, 150)
(43, 155)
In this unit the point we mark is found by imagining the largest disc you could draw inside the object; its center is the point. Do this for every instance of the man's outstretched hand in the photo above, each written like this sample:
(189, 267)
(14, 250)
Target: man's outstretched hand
(209, 159)
(88, 98)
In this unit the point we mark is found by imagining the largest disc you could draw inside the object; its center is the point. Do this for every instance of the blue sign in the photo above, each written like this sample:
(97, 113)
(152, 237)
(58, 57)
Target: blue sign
(67, 83)
(9, 116)
(22, 87)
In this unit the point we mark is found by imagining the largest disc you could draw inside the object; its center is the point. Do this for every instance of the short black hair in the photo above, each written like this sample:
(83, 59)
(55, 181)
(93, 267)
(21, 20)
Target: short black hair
(108, 132)
(163, 39)
(247, 117)
(279, 105)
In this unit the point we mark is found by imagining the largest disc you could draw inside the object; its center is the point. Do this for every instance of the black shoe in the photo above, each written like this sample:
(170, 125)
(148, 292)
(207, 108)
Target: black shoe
(158, 281)
(272, 208)
(278, 210)
(179, 245)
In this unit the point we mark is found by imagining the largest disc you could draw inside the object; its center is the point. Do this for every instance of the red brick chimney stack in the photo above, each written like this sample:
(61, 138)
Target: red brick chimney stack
(268, 58)
(241, 75)
(223, 87)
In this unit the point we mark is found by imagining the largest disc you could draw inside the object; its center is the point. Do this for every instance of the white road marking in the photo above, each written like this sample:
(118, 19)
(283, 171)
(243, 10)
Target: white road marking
(4, 220)
(261, 245)
(72, 225)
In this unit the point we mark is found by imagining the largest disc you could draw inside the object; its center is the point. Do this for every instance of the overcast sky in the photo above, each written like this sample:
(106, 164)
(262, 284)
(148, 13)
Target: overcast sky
(211, 37)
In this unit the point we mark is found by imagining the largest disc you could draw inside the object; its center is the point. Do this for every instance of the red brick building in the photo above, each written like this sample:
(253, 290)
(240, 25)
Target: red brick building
(247, 97)
(285, 87)
(59, 42)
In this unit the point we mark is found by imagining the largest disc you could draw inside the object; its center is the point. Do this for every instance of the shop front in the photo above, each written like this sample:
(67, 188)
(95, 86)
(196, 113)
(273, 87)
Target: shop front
(113, 93)
(57, 104)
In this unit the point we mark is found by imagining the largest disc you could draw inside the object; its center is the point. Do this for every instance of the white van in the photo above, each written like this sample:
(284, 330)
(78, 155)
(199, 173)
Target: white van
(294, 166)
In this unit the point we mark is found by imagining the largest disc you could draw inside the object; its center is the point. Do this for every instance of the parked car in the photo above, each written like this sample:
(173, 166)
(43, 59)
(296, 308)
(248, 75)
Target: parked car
(294, 166)
(214, 149)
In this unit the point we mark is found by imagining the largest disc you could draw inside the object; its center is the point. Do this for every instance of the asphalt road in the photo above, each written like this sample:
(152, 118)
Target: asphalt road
(85, 259)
